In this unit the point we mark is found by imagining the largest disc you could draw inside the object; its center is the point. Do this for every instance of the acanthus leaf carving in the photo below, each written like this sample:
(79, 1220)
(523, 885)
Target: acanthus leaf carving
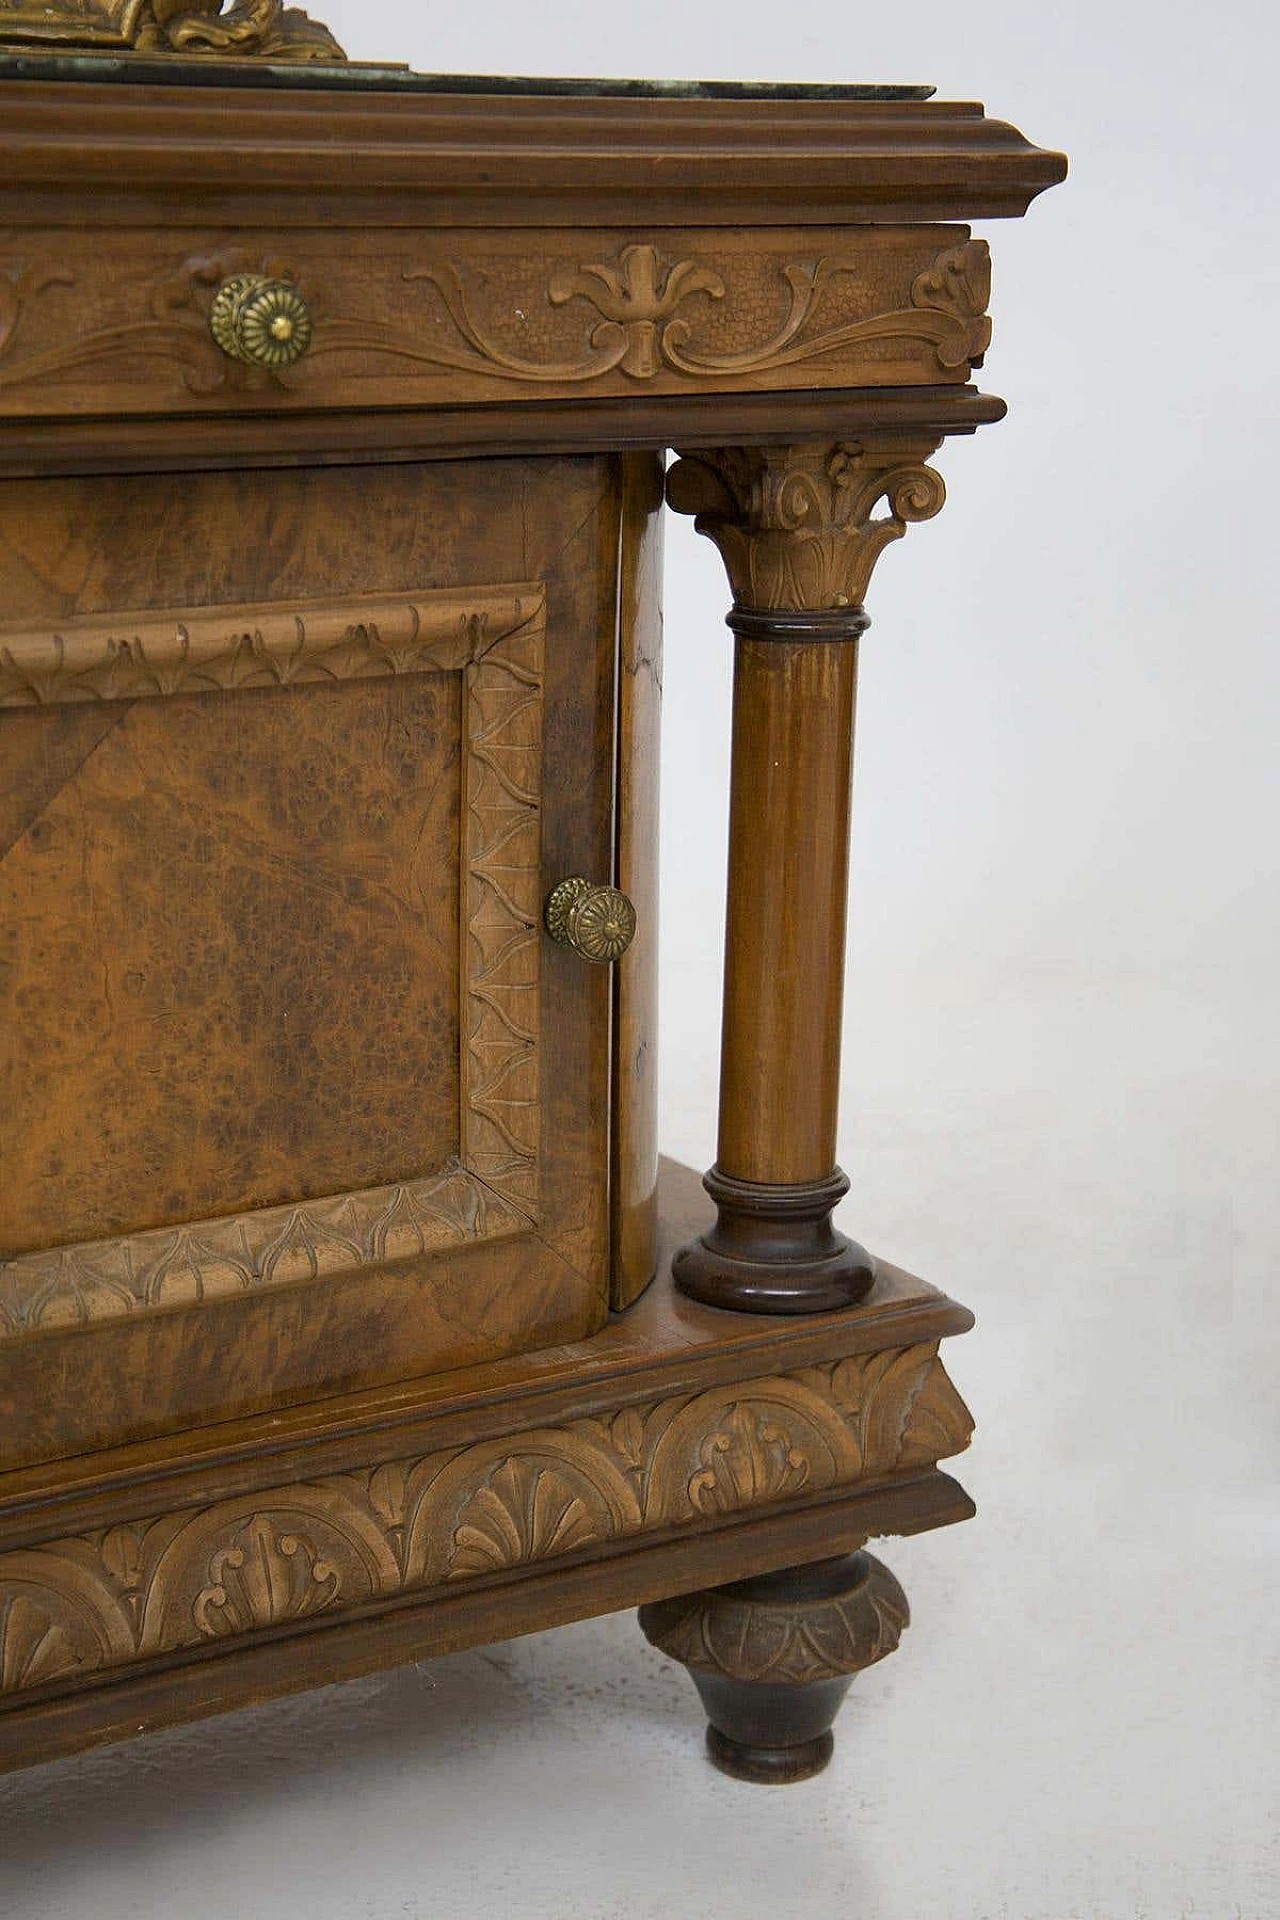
(60, 1615)
(752, 1458)
(478, 353)
(959, 284)
(796, 525)
(245, 1566)
(721, 1632)
(247, 29)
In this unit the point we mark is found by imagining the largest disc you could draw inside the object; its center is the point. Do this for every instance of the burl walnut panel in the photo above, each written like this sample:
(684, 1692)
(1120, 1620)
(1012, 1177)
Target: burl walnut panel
(270, 880)
(217, 938)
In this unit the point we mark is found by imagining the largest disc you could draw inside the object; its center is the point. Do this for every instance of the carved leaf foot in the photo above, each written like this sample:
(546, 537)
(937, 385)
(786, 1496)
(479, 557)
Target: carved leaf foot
(774, 1657)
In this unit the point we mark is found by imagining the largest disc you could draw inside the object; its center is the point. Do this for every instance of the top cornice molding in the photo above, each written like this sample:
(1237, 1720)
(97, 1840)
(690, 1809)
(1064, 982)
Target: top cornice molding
(469, 158)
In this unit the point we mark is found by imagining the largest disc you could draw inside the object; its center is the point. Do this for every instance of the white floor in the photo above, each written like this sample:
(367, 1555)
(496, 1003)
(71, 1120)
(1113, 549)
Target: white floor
(1080, 1722)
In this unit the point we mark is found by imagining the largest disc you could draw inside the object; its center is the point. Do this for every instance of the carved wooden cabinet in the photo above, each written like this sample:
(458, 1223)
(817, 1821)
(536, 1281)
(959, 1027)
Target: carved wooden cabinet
(338, 1322)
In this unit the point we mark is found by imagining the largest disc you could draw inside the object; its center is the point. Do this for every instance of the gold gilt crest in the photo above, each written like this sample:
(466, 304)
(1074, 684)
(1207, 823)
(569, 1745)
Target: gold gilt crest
(247, 29)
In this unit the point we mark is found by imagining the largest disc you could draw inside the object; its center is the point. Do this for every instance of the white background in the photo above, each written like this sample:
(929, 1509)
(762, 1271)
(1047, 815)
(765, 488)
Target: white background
(1059, 1103)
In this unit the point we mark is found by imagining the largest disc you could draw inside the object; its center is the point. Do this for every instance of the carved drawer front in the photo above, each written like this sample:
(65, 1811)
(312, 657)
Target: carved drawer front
(122, 320)
(277, 1113)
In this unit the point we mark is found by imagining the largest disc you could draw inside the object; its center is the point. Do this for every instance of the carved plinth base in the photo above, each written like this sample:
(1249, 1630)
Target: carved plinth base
(773, 1658)
(675, 1450)
(773, 1249)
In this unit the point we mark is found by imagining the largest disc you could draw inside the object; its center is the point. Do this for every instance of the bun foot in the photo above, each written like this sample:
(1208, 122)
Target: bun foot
(774, 1657)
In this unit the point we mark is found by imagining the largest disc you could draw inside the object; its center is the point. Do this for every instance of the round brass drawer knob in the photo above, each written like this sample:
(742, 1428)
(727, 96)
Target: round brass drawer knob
(599, 923)
(264, 322)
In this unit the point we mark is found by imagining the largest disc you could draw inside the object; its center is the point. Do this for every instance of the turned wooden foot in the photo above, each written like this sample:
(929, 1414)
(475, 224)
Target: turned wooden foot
(774, 1657)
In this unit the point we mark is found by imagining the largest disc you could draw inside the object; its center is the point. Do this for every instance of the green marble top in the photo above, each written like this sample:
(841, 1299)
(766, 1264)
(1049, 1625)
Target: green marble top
(172, 70)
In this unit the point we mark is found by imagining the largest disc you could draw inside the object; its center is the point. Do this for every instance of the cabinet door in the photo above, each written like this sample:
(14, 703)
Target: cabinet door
(295, 1096)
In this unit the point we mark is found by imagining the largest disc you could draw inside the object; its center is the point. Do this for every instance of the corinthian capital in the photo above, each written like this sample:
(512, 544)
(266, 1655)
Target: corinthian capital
(796, 525)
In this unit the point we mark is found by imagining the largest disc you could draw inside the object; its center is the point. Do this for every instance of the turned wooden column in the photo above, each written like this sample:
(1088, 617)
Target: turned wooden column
(799, 533)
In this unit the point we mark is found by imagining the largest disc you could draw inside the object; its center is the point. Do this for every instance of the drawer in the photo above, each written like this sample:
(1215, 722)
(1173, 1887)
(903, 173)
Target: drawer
(295, 1095)
(118, 320)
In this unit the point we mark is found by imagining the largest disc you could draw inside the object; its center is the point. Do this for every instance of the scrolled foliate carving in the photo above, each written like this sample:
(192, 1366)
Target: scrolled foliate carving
(262, 29)
(720, 1632)
(797, 526)
(495, 312)
(99, 1601)
(651, 313)
(959, 284)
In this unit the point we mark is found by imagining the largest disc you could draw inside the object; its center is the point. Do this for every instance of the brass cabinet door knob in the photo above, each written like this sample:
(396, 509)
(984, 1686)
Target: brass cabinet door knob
(264, 322)
(599, 923)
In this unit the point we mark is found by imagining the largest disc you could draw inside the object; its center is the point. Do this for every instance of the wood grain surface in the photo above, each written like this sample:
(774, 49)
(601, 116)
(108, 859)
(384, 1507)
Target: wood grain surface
(117, 320)
(485, 161)
(634, 1143)
(278, 1007)
(269, 946)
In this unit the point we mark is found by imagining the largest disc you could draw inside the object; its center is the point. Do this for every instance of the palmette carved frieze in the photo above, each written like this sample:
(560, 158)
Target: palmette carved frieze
(493, 637)
(797, 526)
(283, 1556)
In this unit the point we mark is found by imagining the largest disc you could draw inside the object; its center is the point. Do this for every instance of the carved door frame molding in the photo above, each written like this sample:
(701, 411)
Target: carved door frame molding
(494, 636)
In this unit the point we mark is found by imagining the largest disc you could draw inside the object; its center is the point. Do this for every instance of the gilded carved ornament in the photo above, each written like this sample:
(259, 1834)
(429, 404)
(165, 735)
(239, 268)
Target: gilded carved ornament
(247, 29)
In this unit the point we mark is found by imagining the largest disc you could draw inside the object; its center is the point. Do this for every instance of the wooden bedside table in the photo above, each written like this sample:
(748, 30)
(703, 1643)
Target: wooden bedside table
(337, 1318)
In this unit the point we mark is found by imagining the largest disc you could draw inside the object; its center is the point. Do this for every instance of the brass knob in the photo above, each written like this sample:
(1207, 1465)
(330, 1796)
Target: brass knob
(264, 322)
(599, 923)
